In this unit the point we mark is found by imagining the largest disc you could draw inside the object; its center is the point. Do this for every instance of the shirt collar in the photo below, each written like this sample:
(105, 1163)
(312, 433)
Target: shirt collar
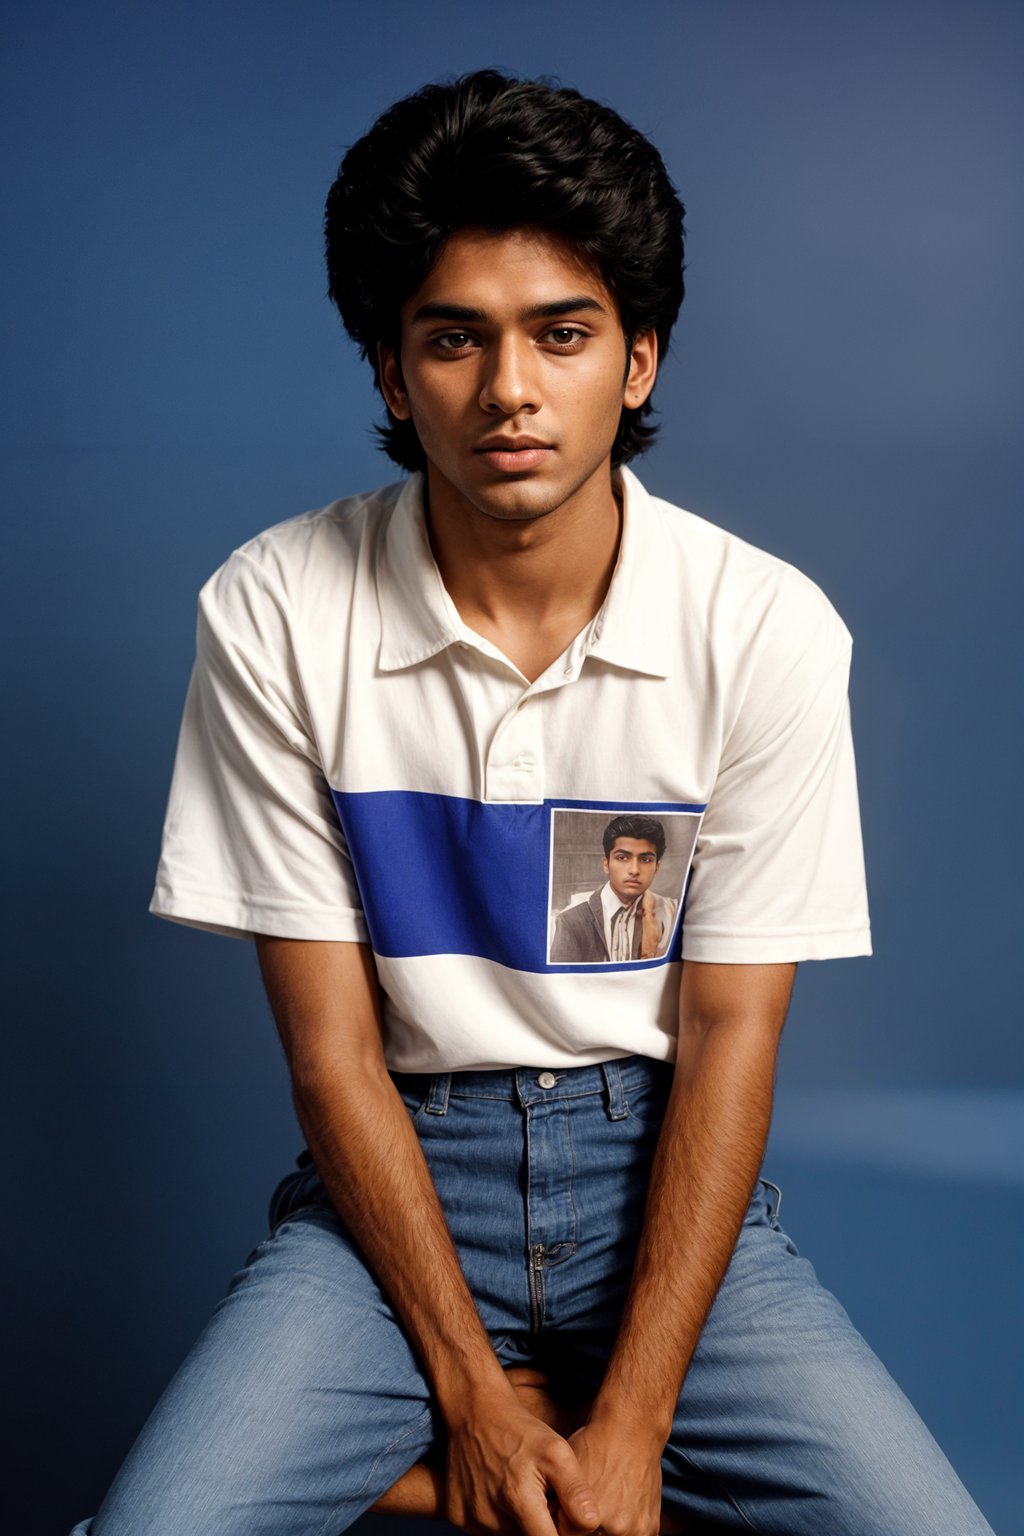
(610, 903)
(419, 619)
(634, 626)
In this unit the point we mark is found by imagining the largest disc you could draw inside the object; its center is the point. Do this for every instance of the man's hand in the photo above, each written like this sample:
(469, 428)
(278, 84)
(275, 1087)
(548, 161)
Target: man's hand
(504, 1463)
(625, 1475)
(650, 930)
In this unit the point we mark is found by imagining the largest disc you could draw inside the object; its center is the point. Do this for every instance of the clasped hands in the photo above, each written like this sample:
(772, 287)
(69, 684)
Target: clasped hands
(524, 1465)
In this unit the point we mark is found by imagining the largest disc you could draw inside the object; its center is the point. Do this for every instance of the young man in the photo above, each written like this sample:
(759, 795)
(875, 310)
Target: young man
(623, 919)
(512, 1161)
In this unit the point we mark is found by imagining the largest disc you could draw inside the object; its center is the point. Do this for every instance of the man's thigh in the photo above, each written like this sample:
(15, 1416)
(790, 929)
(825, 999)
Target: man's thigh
(298, 1405)
(789, 1424)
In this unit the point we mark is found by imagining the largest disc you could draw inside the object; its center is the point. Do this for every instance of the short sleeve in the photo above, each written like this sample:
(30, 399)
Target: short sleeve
(252, 842)
(778, 870)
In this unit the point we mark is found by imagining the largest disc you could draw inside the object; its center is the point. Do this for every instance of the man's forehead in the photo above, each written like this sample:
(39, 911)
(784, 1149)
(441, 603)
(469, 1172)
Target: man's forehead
(521, 274)
(634, 845)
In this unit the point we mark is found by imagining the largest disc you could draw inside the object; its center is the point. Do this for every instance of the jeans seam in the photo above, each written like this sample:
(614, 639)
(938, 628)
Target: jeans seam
(491, 1098)
(412, 1429)
(715, 1482)
(572, 1179)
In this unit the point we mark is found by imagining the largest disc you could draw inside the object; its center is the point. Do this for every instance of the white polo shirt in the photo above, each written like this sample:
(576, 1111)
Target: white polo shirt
(357, 764)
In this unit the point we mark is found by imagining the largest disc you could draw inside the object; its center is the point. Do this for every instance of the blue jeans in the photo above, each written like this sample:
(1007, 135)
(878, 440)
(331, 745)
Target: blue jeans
(302, 1402)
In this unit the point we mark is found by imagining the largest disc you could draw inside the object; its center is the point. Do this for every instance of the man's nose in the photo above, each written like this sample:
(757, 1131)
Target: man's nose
(510, 384)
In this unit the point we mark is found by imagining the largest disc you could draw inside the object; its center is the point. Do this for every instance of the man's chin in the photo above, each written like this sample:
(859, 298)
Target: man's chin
(516, 504)
(512, 499)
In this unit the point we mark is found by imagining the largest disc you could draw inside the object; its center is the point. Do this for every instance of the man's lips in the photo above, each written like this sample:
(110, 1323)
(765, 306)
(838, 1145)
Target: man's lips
(510, 455)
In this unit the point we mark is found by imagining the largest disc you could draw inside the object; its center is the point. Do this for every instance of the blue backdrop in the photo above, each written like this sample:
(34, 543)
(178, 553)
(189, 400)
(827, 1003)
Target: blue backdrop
(844, 390)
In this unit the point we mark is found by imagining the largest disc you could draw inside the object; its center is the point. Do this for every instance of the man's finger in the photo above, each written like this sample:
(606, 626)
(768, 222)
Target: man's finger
(534, 1515)
(575, 1495)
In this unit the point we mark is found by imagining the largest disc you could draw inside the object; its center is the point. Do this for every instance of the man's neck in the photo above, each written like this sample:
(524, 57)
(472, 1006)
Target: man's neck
(528, 586)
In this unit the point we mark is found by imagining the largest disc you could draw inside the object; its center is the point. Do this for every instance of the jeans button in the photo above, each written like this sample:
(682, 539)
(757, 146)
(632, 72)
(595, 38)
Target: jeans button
(547, 1080)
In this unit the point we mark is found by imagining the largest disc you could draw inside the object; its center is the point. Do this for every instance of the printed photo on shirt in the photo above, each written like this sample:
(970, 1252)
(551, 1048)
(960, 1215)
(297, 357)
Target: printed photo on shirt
(617, 883)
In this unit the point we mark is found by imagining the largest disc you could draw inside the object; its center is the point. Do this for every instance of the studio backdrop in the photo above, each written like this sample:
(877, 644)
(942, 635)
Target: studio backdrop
(844, 389)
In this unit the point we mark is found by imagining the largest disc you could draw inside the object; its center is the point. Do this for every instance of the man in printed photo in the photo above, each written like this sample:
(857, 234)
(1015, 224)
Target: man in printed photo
(624, 919)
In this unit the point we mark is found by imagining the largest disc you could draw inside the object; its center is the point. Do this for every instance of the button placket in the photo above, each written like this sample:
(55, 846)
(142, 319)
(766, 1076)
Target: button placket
(514, 765)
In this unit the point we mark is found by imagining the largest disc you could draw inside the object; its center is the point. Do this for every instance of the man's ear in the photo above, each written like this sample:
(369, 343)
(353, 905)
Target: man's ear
(392, 385)
(642, 371)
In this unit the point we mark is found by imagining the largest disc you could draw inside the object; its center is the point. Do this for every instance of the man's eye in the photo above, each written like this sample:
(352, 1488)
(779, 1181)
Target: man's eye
(565, 335)
(454, 341)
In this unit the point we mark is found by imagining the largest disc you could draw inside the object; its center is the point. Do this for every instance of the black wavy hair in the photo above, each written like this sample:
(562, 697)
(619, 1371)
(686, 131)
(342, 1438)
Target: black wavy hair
(642, 828)
(488, 151)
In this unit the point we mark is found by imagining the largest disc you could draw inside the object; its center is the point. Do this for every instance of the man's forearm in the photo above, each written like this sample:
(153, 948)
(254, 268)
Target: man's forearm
(373, 1168)
(372, 1165)
(707, 1160)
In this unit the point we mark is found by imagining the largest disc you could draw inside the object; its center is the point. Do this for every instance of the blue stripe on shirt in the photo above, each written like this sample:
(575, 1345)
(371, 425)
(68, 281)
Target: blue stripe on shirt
(444, 875)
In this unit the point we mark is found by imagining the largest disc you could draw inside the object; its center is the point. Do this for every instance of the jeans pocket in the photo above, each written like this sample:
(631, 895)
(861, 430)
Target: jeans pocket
(648, 1101)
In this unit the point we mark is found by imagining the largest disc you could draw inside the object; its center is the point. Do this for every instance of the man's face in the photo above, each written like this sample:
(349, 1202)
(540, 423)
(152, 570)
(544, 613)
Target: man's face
(513, 371)
(630, 867)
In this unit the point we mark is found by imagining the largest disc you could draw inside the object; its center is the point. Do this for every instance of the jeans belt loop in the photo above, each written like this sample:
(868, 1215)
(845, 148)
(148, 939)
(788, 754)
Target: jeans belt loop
(617, 1109)
(778, 1200)
(437, 1098)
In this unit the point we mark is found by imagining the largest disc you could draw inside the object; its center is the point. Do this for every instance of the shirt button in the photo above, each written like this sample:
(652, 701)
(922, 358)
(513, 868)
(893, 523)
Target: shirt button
(567, 672)
(547, 1080)
(522, 765)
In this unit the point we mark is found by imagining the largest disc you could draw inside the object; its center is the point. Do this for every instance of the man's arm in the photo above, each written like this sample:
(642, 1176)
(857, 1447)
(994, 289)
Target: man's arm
(502, 1459)
(708, 1156)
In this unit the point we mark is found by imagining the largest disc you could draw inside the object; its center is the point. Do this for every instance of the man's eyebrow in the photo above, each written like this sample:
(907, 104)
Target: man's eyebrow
(445, 311)
(442, 310)
(563, 307)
